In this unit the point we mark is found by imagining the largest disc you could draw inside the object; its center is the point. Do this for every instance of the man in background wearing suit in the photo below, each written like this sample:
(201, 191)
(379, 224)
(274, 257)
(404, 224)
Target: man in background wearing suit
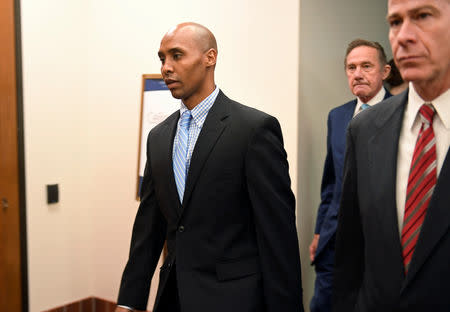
(393, 237)
(217, 188)
(366, 68)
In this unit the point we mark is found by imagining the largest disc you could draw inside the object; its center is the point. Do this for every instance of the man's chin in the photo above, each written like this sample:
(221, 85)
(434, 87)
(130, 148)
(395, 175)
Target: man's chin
(360, 89)
(414, 74)
(176, 94)
(360, 94)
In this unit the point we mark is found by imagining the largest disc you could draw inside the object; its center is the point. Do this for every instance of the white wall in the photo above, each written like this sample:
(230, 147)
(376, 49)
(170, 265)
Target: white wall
(326, 28)
(82, 67)
(55, 105)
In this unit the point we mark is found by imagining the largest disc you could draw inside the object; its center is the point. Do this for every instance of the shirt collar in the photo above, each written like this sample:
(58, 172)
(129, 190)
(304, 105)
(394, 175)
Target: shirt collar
(200, 111)
(441, 104)
(375, 100)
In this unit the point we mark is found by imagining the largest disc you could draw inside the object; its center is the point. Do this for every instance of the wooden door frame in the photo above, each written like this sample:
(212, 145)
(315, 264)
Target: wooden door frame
(21, 157)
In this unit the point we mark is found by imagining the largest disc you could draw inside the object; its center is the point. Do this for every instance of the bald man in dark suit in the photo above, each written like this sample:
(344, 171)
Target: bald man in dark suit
(226, 210)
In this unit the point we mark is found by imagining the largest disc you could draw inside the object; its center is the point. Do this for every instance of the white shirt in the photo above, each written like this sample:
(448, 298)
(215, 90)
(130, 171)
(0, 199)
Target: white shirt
(375, 100)
(408, 137)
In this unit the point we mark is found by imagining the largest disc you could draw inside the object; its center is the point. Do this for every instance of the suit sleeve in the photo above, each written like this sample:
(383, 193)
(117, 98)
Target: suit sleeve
(328, 182)
(147, 240)
(349, 257)
(273, 205)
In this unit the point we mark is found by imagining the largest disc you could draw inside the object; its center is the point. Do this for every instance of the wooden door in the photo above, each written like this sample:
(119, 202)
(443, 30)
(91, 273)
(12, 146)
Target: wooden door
(10, 220)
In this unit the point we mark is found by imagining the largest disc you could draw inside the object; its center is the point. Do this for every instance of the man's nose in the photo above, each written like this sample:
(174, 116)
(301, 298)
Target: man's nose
(406, 33)
(166, 68)
(358, 72)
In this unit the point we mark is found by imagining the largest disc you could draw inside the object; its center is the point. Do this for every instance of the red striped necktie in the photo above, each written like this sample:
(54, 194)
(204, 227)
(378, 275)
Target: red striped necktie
(421, 182)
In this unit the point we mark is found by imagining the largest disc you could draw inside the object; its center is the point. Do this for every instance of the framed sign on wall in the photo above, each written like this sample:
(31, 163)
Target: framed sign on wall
(157, 104)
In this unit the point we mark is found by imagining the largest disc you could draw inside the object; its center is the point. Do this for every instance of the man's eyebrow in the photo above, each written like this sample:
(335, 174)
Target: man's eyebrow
(171, 51)
(174, 50)
(426, 6)
(391, 16)
(412, 11)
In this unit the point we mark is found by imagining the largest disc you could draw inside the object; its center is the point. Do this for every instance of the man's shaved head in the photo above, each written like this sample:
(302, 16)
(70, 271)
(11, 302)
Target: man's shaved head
(202, 36)
(188, 54)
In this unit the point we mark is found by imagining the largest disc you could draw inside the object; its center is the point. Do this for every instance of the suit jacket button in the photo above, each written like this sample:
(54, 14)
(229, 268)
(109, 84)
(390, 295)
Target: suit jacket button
(181, 229)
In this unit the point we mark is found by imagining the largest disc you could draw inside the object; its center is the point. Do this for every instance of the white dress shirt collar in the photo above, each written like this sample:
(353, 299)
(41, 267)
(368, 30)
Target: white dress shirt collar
(441, 104)
(375, 100)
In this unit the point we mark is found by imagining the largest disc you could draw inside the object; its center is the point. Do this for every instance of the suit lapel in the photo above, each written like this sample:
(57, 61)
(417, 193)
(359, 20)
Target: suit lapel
(340, 140)
(165, 145)
(382, 154)
(213, 127)
(348, 114)
(436, 223)
(387, 94)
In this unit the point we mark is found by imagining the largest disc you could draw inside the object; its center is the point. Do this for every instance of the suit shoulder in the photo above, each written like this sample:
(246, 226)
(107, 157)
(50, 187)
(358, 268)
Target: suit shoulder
(252, 113)
(387, 103)
(165, 122)
(246, 114)
(383, 109)
(343, 108)
(379, 113)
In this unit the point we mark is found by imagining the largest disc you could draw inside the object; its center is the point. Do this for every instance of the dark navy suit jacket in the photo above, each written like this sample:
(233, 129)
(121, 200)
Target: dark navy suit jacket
(326, 224)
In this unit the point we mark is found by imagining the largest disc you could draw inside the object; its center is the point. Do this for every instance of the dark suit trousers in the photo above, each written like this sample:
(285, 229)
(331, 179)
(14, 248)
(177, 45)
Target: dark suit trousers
(324, 265)
(170, 300)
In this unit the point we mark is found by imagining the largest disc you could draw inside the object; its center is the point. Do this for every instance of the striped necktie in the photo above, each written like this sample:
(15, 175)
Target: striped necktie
(181, 152)
(421, 182)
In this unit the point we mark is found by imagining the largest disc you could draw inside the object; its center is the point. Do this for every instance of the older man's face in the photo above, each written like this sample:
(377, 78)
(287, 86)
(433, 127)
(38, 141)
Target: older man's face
(420, 38)
(364, 72)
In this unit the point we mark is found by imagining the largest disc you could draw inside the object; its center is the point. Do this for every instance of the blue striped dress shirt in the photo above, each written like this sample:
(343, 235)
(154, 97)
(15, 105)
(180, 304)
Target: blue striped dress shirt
(199, 114)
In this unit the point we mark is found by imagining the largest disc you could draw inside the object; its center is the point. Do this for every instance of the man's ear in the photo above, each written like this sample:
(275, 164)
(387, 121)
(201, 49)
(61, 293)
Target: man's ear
(386, 71)
(211, 57)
